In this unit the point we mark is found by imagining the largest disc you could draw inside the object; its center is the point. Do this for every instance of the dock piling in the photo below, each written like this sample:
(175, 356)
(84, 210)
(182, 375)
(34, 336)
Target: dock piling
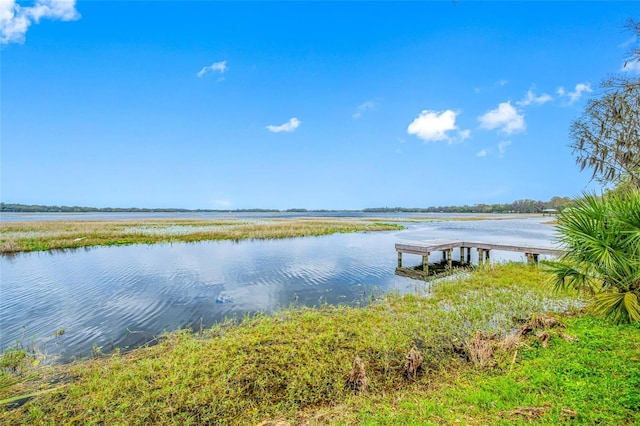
(425, 264)
(424, 271)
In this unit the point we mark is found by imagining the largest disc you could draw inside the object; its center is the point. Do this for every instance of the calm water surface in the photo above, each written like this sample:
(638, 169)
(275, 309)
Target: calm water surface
(122, 297)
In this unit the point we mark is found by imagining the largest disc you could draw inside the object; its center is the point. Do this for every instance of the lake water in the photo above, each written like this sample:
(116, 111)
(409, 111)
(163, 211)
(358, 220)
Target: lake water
(111, 297)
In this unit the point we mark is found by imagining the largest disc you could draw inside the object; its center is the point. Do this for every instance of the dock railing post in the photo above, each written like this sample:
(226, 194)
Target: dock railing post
(425, 264)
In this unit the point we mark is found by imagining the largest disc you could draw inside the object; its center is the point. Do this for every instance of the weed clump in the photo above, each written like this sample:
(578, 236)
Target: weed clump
(14, 361)
(540, 321)
(413, 363)
(357, 380)
(526, 413)
(481, 348)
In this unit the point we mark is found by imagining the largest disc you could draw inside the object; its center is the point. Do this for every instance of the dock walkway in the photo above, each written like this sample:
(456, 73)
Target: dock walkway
(447, 248)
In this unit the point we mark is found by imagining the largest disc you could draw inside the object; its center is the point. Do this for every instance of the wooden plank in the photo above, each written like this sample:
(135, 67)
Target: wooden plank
(426, 248)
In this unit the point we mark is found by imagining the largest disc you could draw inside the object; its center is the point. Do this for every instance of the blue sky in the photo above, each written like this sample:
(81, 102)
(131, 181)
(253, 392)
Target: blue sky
(317, 105)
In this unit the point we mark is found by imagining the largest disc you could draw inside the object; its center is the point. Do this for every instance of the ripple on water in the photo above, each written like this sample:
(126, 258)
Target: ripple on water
(125, 296)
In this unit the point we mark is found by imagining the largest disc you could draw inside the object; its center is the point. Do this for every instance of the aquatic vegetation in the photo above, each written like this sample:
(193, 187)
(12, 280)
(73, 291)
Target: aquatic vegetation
(51, 235)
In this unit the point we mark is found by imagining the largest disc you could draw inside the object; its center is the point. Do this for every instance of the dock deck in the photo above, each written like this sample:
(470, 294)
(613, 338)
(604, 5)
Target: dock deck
(447, 247)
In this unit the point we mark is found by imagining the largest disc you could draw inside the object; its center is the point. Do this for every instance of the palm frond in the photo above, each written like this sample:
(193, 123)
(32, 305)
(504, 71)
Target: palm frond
(568, 277)
(620, 307)
(628, 215)
(602, 237)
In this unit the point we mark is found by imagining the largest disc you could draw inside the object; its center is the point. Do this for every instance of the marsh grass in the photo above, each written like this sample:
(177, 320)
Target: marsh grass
(51, 235)
(292, 367)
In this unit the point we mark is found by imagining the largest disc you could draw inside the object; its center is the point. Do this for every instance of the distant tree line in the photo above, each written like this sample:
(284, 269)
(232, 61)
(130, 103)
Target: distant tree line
(518, 206)
(36, 208)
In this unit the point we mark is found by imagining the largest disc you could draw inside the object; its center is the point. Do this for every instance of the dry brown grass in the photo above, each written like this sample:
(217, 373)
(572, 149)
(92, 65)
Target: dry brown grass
(413, 363)
(482, 347)
(357, 380)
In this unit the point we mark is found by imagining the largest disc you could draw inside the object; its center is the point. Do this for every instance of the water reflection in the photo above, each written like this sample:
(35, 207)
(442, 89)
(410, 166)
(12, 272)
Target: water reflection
(124, 296)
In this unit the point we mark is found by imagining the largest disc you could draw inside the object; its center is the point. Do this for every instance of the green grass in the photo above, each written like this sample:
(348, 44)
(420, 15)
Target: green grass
(595, 380)
(291, 367)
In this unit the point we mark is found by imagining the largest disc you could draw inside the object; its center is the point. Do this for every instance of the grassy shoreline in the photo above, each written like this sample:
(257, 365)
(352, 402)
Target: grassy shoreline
(52, 235)
(291, 367)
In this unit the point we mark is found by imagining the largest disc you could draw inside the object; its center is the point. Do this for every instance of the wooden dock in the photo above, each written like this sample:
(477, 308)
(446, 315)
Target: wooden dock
(429, 271)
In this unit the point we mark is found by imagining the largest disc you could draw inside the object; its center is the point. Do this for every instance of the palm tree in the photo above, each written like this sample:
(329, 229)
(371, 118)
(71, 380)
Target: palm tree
(601, 236)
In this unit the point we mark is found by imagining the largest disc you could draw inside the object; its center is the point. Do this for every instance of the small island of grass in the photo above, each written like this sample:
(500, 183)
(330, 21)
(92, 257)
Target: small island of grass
(65, 234)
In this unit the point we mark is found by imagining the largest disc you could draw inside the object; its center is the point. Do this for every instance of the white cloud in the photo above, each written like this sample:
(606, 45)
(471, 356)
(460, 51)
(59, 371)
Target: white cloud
(502, 147)
(216, 66)
(579, 90)
(64, 10)
(505, 118)
(631, 66)
(223, 203)
(482, 153)
(15, 19)
(289, 126)
(530, 98)
(365, 106)
(434, 126)
(577, 93)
